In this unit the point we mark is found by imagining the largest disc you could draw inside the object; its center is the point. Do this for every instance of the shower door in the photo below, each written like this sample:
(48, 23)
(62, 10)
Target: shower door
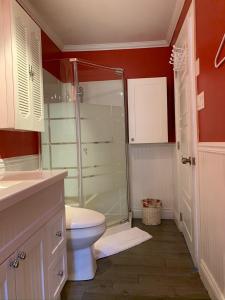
(102, 147)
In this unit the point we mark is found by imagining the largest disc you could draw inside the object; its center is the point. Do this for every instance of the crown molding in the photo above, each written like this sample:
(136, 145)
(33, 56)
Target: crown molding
(115, 46)
(175, 17)
(29, 8)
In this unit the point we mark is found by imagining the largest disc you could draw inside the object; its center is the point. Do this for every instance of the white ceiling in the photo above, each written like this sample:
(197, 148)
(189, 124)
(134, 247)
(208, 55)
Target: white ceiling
(102, 24)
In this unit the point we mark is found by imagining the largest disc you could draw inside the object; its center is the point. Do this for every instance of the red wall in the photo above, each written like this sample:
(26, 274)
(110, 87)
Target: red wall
(138, 63)
(210, 27)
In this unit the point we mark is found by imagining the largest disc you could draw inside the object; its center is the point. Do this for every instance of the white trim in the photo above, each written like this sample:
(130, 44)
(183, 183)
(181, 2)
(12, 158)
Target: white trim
(166, 213)
(29, 8)
(20, 163)
(210, 282)
(116, 46)
(196, 218)
(214, 147)
(175, 17)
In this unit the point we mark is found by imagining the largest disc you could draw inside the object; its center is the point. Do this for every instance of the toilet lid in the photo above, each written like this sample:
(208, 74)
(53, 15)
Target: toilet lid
(82, 217)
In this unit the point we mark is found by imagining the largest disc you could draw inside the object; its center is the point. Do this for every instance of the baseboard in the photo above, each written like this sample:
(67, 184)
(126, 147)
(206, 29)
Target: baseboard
(167, 213)
(20, 163)
(210, 282)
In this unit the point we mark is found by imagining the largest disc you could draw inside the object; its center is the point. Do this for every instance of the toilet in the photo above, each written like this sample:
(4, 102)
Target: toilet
(83, 228)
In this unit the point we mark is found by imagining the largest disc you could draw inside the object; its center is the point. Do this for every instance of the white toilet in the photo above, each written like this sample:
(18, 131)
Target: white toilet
(83, 228)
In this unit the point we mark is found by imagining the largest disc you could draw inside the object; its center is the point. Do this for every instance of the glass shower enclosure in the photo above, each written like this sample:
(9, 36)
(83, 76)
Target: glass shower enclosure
(85, 133)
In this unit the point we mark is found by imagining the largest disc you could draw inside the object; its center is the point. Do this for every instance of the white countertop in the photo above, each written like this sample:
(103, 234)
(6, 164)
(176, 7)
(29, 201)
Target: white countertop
(15, 186)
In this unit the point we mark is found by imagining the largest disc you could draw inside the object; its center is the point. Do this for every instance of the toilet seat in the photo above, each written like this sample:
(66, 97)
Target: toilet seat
(77, 217)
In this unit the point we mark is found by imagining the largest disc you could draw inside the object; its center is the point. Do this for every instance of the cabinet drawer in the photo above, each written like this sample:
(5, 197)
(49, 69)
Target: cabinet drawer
(56, 234)
(57, 274)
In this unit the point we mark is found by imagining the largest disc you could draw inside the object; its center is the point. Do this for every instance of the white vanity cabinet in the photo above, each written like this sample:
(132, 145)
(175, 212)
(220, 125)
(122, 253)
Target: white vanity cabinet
(21, 94)
(7, 281)
(33, 257)
(147, 110)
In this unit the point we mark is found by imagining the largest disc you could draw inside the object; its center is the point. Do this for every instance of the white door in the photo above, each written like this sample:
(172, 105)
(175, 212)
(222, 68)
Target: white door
(186, 131)
(30, 273)
(7, 281)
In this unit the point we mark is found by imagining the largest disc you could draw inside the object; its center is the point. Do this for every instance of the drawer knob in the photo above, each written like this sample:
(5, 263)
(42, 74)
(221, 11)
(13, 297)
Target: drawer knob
(59, 234)
(132, 139)
(14, 264)
(21, 255)
(60, 273)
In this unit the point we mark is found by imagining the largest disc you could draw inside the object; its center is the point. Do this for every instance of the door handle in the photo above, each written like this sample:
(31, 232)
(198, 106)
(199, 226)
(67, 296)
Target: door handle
(186, 160)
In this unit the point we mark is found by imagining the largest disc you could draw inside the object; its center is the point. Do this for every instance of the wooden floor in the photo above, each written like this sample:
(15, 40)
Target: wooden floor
(158, 269)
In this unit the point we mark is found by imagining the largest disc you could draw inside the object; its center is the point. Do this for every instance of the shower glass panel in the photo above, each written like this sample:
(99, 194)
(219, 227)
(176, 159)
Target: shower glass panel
(85, 133)
(103, 140)
(59, 141)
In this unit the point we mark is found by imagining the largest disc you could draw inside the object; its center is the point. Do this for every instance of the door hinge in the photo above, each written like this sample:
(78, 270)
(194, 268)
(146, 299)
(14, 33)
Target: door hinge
(181, 217)
(193, 161)
(178, 145)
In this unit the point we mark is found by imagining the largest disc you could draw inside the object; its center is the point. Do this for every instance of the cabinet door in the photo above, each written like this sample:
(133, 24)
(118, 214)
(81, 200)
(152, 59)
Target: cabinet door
(7, 281)
(21, 68)
(36, 77)
(30, 273)
(147, 107)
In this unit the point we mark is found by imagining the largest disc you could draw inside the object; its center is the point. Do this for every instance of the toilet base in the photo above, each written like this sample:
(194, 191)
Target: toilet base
(81, 264)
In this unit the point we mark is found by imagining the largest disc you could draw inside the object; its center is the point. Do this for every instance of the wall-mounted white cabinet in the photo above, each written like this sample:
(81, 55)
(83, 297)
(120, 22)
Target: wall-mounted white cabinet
(21, 93)
(147, 110)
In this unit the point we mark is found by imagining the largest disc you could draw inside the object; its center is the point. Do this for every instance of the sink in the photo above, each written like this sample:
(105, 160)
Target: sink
(6, 184)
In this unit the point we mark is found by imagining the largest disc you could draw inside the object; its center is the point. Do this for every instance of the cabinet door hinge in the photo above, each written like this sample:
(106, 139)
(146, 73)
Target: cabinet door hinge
(178, 145)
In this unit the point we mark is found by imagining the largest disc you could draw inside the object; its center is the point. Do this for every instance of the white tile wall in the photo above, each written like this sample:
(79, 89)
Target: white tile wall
(71, 187)
(45, 156)
(64, 156)
(63, 131)
(62, 110)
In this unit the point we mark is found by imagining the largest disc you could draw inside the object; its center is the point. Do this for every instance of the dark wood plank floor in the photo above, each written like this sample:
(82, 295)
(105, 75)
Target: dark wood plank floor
(158, 269)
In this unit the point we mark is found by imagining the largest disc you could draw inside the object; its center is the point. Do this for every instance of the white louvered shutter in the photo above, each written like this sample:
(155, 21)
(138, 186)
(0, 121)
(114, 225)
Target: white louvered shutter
(36, 77)
(23, 114)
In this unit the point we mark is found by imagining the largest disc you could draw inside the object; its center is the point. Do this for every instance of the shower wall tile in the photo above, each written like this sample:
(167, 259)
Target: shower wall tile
(45, 134)
(72, 172)
(97, 185)
(97, 154)
(62, 110)
(64, 156)
(70, 187)
(45, 156)
(102, 92)
(63, 131)
(46, 111)
(96, 130)
(95, 111)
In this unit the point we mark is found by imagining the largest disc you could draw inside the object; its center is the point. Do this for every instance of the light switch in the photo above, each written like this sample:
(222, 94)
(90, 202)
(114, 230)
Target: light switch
(197, 67)
(201, 101)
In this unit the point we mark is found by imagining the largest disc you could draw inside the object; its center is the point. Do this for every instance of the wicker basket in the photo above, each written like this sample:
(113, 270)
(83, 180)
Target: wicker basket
(151, 212)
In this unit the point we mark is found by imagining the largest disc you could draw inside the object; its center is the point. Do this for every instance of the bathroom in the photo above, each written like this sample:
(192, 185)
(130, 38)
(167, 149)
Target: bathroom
(124, 172)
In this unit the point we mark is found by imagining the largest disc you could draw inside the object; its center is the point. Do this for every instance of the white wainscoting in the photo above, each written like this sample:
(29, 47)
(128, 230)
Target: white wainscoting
(20, 163)
(151, 174)
(212, 217)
